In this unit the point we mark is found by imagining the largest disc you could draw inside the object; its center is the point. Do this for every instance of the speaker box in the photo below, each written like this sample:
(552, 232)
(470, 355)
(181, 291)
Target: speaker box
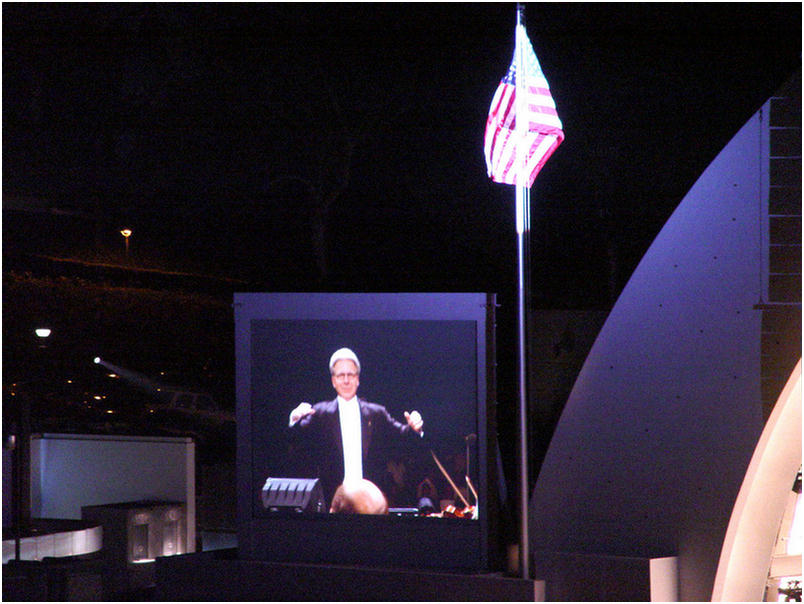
(293, 495)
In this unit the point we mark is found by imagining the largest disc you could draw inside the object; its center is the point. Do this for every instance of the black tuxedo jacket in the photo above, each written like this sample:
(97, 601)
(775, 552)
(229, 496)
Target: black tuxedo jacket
(324, 431)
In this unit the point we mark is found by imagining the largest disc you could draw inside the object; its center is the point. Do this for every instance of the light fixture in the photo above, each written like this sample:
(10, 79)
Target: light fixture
(42, 332)
(126, 233)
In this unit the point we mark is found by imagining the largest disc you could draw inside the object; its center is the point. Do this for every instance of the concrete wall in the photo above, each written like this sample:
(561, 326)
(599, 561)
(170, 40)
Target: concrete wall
(653, 443)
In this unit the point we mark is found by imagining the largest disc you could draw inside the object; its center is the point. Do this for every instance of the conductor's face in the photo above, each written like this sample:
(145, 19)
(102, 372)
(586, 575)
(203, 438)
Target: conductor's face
(345, 378)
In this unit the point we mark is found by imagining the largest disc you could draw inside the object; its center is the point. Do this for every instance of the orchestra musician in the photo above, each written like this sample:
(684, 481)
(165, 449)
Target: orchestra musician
(348, 430)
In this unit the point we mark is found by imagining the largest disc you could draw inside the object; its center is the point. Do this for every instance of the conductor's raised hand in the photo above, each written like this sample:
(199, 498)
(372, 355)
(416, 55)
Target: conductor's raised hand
(414, 420)
(303, 410)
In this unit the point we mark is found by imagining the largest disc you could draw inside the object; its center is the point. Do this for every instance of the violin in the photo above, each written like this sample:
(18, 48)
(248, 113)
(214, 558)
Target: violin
(451, 511)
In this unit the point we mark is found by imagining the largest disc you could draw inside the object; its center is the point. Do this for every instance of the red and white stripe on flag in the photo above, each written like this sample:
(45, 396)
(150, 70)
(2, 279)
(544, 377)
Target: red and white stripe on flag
(544, 134)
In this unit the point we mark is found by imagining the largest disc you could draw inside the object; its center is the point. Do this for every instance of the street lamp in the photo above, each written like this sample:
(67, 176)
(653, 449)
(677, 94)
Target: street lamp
(126, 233)
(43, 333)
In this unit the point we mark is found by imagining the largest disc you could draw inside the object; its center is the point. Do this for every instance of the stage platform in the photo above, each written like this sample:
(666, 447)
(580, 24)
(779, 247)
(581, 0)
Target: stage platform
(221, 576)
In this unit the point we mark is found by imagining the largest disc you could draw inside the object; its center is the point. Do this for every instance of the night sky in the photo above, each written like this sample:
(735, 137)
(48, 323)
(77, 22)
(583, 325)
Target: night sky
(340, 147)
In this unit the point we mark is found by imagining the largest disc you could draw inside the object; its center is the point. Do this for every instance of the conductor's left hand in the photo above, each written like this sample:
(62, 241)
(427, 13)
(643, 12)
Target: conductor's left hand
(414, 420)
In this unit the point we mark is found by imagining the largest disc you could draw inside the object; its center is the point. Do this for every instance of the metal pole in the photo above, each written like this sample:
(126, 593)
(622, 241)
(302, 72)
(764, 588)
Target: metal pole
(523, 406)
(22, 472)
(17, 491)
(522, 227)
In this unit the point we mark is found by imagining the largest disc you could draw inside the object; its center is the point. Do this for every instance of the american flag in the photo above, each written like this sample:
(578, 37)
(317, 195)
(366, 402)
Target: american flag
(544, 133)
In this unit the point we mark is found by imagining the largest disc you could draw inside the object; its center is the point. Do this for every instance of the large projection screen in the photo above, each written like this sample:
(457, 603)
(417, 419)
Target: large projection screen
(426, 352)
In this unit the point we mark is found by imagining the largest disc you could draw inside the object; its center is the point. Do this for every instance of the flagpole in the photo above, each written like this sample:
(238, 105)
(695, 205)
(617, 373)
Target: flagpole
(522, 230)
(522, 132)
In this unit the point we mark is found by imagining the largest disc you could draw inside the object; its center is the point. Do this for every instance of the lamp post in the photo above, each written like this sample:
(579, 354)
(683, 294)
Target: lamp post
(126, 233)
(21, 456)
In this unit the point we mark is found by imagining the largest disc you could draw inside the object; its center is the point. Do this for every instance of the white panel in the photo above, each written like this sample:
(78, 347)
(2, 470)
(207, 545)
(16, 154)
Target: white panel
(8, 550)
(93, 540)
(45, 546)
(63, 544)
(786, 566)
(79, 540)
(664, 579)
(69, 543)
(71, 471)
(28, 549)
(539, 591)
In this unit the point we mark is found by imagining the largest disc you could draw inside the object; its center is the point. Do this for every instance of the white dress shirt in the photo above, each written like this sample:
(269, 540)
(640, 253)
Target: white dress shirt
(351, 435)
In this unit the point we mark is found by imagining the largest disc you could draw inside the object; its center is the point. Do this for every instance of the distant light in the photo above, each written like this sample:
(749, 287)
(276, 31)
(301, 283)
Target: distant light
(98, 397)
(110, 411)
(112, 375)
(43, 332)
(126, 233)
(96, 360)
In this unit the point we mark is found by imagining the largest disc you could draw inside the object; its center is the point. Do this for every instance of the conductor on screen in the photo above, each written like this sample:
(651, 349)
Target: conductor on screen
(348, 430)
